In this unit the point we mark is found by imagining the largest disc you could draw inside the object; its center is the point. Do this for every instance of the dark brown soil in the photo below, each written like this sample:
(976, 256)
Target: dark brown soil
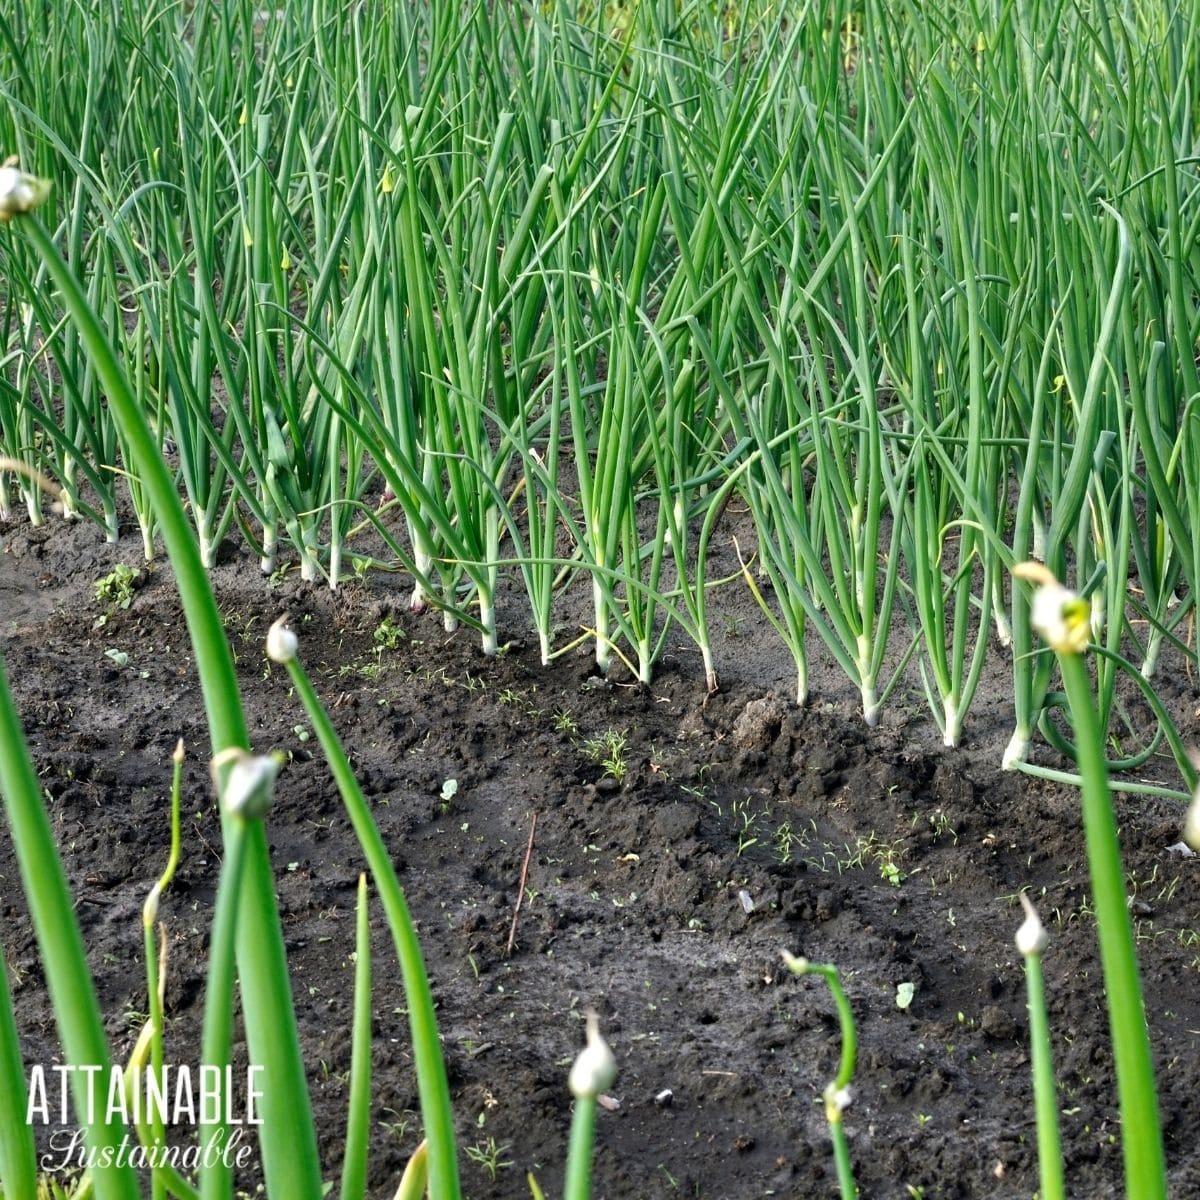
(875, 850)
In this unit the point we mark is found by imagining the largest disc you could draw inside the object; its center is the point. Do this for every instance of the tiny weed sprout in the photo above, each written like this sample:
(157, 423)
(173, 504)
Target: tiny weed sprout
(388, 635)
(117, 587)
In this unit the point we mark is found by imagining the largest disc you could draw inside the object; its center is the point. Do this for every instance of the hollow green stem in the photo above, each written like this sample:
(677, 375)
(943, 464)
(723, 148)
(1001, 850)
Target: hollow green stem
(59, 942)
(287, 1133)
(358, 1123)
(155, 980)
(18, 1164)
(432, 1085)
(579, 1150)
(216, 1176)
(416, 1175)
(1050, 1162)
(1141, 1134)
(837, 1093)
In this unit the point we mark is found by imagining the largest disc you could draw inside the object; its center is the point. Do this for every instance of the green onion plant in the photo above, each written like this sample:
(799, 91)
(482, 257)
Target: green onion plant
(837, 1092)
(1063, 619)
(552, 296)
(550, 306)
(1031, 944)
(290, 1162)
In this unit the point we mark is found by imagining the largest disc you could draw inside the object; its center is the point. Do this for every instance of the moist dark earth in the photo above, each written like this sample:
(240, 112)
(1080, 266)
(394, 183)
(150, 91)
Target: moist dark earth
(876, 850)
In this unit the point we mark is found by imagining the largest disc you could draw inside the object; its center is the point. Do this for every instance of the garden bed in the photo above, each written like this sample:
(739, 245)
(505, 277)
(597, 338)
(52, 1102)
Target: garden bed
(662, 816)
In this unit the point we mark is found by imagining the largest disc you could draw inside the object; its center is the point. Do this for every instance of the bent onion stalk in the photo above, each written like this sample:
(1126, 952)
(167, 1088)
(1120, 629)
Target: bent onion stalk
(287, 1134)
(837, 1092)
(432, 1085)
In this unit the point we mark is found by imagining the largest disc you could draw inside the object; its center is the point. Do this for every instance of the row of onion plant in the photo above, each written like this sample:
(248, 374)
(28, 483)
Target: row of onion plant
(246, 943)
(545, 295)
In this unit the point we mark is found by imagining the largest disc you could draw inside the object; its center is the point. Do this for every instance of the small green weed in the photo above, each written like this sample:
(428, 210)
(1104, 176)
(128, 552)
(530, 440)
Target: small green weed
(117, 587)
(388, 635)
(490, 1158)
(564, 722)
(609, 751)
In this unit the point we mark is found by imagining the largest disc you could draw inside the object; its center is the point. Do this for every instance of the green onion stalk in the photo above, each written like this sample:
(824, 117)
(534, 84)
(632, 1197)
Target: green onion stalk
(605, 476)
(1030, 676)
(15, 412)
(287, 1134)
(172, 1183)
(1079, 466)
(837, 1092)
(432, 1084)
(966, 669)
(105, 438)
(851, 484)
(1031, 943)
(410, 344)
(415, 1179)
(1171, 549)
(635, 394)
(58, 417)
(206, 458)
(246, 784)
(1064, 621)
(950, 669)
(694, 477)
(358, 1121)
(850, 621)
(793, 559)
(457, 356)
(478, 466)
(591, 1074)
(543, 500)
(640, 571)
(18, 1161)
(59, 940)
(20, 452)
(155, 966)
(62, 952)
